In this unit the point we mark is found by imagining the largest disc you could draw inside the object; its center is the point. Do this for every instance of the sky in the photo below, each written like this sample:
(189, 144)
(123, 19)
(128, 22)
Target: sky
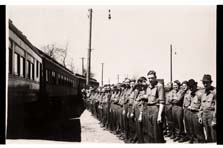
(136, 39)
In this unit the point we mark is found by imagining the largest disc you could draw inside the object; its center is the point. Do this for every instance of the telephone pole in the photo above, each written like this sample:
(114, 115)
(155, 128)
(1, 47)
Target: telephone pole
(82, 60)
(171, 66)
(102, 72)
(118, 78)
(89, 51)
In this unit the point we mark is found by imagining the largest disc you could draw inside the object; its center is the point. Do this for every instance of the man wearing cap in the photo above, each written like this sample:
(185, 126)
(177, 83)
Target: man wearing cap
(118, 108)
(197, 135)
(112, 110)
(131, 122)
(122, 112)
(208, 103)
(155, 104)
(168, 109)
(177, 110)
(126, 115)
(187, 113)
(138, 108)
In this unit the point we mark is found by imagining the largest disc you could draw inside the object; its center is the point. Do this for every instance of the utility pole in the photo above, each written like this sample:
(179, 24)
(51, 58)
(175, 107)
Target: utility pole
(89, 51)
(171, 67)
(82, 60)
(118, 78)
(102, 71)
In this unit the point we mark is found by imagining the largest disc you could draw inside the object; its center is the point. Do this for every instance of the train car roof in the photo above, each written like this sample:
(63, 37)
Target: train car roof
(22, 36)
(44, 55)
(41, 53)
(35, 49)
(83, 77)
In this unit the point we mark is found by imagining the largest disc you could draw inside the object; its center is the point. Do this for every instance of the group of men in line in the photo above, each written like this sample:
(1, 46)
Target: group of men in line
(144, 111)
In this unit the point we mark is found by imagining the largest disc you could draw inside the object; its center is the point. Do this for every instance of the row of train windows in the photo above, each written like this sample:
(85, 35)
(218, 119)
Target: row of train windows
(20, 67)
(55, 78)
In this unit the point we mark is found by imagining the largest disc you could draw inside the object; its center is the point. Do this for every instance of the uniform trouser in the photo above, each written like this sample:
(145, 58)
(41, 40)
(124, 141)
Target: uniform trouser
(100, 113)
(131, 123)
(112, 117)
(207, 117)
(197, 129)
(92, 106)
(126, 121)
(120, 119)
(188, 122)
(116, 116)
(96, 109)
(145, 122)
(105, 118)
(169, 118)
(177, 114)
(108, 114)
(155, 130)
(138, 125)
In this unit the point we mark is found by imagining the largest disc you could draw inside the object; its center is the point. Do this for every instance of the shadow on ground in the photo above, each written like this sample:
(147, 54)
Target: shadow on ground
(56, 130)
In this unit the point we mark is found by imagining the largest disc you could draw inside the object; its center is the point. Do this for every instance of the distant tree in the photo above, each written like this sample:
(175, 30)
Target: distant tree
(57, 53)
(71, 65)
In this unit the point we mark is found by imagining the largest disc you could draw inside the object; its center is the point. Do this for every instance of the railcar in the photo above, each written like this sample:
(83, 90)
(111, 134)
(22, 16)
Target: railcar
(82, 81)
(24, 78)
(39, 87)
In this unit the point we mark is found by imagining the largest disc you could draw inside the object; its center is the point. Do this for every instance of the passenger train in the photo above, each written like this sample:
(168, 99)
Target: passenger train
(39, 87)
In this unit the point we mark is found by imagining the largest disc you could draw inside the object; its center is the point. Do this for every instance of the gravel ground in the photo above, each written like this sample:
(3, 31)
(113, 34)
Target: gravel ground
(91, 132)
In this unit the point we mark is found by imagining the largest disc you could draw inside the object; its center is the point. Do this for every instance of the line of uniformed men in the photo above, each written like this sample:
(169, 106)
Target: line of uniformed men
(145, 111)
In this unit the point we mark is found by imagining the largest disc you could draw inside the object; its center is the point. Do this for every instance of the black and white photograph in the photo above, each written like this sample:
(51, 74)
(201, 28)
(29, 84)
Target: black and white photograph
(126, 74)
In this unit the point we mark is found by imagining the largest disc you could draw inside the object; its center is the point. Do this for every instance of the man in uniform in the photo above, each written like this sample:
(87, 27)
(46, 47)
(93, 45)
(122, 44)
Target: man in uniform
(131, 122)
(122, 111)
(138, 109)
(117, 109)
(168, 110)
(208, 109)
(177, 110)
(126, 95)
(187, 113)
(155, 104)
(112, 109)
(197, 127)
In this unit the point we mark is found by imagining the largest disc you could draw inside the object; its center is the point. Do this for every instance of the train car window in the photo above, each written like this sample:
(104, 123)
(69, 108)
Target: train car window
(53, 77)
(49, 76)
(56, 77)
(41, 69)
(46, 75)
(10, 61)
(29, 69)
(59, 79)
(37, 69)
(17, 64)
(64, 80)
(33, 71)
(22, 66)
(10, 56)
